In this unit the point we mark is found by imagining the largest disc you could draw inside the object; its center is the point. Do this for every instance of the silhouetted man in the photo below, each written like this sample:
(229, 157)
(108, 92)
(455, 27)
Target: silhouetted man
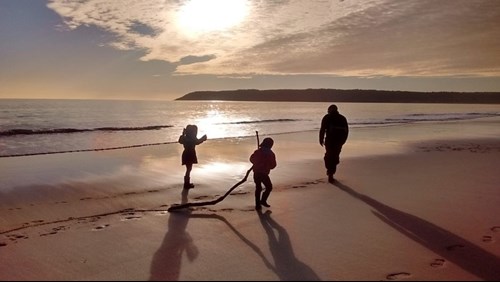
(335, 127)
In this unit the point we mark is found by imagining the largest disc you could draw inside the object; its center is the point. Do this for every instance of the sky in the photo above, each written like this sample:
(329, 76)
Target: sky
(164, 49)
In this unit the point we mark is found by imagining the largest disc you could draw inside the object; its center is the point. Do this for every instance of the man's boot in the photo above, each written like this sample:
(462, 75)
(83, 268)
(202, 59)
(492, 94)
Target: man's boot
(331, 179)
(330, 176)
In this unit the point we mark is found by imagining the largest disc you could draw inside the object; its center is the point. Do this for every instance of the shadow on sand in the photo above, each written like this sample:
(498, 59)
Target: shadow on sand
(287, 266)
(166, 264)
(449, 246)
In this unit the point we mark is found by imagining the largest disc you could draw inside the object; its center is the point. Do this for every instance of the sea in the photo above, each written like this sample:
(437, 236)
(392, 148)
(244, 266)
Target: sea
(37, 127)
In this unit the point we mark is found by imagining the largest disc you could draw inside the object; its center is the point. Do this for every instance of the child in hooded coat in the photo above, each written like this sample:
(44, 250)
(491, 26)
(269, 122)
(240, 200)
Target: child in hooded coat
(263, 160)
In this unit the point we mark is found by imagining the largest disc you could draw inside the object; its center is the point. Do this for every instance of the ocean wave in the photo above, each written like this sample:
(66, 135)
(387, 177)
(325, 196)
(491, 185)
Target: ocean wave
(441, 117)
(84, 150)
(22, 131)
(261, 121)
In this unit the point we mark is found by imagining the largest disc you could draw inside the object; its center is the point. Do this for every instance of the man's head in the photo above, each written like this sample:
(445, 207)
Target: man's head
(333, 109)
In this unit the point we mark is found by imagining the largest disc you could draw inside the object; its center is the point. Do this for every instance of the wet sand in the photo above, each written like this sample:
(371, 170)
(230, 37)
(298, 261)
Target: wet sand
(413, 202)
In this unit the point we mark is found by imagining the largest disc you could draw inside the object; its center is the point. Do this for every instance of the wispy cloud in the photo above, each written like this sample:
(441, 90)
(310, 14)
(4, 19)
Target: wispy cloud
(343, 38)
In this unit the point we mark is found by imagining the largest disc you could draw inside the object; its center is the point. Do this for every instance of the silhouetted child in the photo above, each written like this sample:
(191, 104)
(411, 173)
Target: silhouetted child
(189, 139)
(263, 160)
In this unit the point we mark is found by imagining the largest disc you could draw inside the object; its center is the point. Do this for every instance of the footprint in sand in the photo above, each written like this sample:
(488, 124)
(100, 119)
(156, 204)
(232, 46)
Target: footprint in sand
(62, 202)
(495, 228)
(59, 228)
(101, 227)
(201, 197)
(15, 237)
(3, 244)
(132, 217)
(454, 247)
(438, 263)
(487, 239)
(399, 275)
(55, 230)
(47, 234)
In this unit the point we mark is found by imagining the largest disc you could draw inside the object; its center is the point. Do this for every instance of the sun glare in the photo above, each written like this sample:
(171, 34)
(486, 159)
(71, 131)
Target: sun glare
(210, 124)
(202, 16)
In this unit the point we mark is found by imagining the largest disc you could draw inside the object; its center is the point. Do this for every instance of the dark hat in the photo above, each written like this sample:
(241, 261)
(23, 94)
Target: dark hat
(267, 143)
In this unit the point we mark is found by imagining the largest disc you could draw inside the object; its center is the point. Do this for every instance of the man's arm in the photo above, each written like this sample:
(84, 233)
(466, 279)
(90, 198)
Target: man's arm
(322, 131)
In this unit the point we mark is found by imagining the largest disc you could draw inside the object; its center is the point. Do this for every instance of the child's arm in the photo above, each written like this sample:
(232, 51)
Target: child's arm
(202, 139)
(181, 138)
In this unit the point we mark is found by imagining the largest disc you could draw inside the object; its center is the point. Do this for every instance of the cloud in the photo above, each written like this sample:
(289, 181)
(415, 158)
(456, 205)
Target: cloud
(343, 38)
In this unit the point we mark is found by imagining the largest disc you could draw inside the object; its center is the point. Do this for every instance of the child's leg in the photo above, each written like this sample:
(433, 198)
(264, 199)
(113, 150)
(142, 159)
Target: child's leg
(269, 187)
(187, 179)
(189, 167)
(258, 190)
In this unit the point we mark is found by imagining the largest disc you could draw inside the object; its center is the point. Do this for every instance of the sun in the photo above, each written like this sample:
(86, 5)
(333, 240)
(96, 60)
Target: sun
(197, 17)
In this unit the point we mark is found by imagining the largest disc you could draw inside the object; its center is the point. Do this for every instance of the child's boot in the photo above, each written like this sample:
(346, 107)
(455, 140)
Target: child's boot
(187, 185)
(265, 196)
(258, 207)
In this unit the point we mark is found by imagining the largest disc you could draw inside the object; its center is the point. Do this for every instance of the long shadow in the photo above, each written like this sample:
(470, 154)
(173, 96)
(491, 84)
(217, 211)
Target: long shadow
(453, 248)
(241, 236)
(288, 267)
(166, 264)
(167, 260)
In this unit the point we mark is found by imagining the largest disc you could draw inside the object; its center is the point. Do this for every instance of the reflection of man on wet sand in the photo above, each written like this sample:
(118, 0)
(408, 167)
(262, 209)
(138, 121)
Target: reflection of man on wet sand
(166, 263)
(287, 266)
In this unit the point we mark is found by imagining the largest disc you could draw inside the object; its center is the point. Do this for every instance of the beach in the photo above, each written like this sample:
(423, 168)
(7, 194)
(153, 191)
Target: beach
(411, 202)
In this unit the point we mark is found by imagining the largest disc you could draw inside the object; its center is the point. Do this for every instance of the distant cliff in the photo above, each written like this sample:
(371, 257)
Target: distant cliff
(337, 95)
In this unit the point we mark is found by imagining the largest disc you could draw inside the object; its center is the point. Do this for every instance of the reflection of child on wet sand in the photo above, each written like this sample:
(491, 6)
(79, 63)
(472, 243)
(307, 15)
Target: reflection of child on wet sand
(189, 139)
(263, 160)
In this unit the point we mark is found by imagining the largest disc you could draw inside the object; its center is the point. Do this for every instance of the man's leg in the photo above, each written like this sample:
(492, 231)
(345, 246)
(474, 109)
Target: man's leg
(332, 159)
